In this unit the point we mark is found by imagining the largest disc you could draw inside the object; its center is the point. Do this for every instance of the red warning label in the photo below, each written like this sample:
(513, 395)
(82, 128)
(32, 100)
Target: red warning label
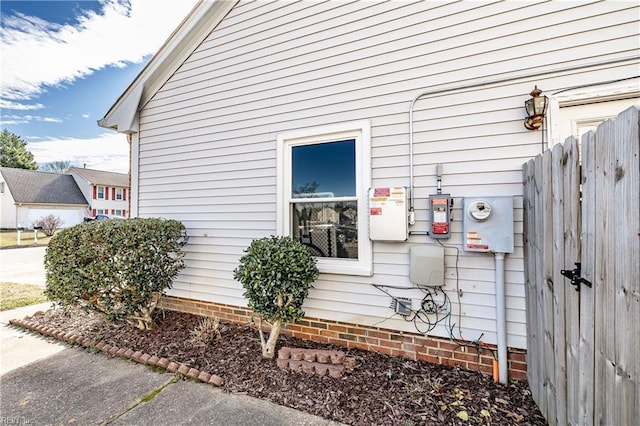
(478, 246)
(440, 227)
(381, 192)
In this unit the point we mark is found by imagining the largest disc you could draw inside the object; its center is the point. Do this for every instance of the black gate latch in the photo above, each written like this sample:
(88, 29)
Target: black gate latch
(575, 277)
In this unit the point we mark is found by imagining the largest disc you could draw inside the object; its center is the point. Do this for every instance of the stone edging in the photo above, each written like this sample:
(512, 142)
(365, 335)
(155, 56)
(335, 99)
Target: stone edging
(137, 356)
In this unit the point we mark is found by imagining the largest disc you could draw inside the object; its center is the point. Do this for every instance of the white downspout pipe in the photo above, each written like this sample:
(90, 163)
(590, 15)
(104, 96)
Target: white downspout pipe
(501, 320)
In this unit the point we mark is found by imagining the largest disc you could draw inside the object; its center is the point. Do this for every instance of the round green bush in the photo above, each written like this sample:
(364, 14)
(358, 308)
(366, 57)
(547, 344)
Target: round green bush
(118, 267)
(276, 274)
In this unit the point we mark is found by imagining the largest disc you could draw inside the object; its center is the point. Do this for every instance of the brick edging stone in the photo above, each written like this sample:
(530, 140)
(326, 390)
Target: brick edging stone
(114, 351)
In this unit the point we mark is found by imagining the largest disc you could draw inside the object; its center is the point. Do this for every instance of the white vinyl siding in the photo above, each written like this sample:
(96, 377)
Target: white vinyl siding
(207, 141)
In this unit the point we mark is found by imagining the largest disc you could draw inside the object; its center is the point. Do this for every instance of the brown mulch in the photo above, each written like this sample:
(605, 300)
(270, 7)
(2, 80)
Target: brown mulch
(379, 390)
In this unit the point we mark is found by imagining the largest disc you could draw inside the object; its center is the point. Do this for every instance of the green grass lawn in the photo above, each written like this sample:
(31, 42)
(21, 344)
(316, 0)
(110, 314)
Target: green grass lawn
(17, 295)
(9, 238)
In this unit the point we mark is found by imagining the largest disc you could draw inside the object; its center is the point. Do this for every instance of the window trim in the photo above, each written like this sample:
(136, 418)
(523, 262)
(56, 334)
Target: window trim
(361, 132)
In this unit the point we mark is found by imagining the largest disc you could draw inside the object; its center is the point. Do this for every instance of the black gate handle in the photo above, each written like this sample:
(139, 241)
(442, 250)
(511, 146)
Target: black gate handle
(575, 277)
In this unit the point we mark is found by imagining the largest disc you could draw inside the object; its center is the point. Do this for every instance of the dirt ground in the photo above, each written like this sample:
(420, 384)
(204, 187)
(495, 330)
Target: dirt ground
(379, 390)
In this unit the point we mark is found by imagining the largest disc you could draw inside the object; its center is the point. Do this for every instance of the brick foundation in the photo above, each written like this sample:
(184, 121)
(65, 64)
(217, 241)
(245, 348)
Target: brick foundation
(390, 342)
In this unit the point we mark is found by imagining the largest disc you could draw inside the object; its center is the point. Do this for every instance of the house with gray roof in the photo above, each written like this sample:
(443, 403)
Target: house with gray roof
(106, 192)
(27, 195)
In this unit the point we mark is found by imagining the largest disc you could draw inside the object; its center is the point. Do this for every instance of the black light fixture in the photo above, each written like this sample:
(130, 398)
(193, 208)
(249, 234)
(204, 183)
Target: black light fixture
(536, 108)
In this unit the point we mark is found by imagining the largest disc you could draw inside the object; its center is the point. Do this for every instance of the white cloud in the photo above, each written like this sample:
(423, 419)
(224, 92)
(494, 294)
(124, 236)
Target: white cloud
(108, 152)
(19, 106)
(36, 53)
(9, 119)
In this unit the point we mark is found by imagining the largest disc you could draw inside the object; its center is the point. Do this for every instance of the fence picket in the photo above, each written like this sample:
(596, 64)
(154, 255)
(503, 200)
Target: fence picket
(558, 160)
(571, 255)
(588, 259)
(626, 291)
(604, 315)
(529, 251)
(546, 246)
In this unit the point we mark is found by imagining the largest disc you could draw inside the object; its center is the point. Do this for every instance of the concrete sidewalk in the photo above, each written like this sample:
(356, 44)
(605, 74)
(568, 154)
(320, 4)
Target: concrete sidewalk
(19, 347)
(60, 384)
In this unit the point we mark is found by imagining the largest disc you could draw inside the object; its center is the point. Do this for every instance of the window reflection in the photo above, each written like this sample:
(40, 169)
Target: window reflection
(324, 170)
(327, 229)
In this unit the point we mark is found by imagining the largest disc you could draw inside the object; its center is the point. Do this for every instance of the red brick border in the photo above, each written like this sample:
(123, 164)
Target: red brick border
(390, 342)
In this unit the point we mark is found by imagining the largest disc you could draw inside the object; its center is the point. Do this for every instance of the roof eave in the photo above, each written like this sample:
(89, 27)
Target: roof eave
(122, 116)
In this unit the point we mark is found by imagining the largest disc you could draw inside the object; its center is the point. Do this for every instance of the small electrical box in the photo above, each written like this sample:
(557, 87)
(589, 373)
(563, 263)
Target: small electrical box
(426, 265)
(488, 224)
(402, 305)
(440, 215)
(388, 214)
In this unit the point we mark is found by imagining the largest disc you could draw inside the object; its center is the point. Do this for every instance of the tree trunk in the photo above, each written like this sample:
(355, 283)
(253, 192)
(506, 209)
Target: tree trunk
(269, 347)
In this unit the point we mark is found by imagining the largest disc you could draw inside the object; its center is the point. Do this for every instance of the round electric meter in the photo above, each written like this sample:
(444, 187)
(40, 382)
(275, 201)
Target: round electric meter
(480, 210)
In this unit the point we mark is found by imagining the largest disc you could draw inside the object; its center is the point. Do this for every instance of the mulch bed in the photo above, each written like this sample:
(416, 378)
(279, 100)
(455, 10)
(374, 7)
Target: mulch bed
(378, 390)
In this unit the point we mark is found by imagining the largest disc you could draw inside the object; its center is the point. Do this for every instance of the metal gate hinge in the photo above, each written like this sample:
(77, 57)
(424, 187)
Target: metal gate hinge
(575, 277)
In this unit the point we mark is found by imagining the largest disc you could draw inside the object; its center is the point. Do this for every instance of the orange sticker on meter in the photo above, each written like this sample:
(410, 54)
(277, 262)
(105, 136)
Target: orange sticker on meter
(375, 211)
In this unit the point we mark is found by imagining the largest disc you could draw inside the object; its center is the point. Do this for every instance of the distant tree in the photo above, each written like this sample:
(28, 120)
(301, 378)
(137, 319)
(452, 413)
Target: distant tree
(13, 152)
(60, 167)
(306, 189)
(49, 224)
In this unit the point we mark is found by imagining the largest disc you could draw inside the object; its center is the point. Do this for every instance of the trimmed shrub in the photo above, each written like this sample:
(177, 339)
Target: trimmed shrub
(276, 273)
(118, 267)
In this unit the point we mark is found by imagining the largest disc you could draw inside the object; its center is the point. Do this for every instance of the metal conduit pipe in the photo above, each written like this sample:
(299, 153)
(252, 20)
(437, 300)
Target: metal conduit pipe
(501, 320)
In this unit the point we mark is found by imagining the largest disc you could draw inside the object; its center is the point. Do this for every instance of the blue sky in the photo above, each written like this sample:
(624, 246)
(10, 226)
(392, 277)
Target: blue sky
(64, 63)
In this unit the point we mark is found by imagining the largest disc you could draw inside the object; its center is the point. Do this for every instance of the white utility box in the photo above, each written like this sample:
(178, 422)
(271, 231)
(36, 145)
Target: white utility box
(487, 224)
(388, 214)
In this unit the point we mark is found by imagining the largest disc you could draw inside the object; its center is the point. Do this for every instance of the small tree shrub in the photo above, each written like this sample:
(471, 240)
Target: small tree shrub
(118, 267)
(276, 273)
(49, 224)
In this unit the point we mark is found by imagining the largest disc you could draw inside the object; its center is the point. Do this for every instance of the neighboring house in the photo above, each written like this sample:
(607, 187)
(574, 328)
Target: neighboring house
(26, 196)
(248, 100)
(107, 192)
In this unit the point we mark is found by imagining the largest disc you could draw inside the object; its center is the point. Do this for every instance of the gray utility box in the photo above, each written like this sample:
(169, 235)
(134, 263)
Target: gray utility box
(487, 224)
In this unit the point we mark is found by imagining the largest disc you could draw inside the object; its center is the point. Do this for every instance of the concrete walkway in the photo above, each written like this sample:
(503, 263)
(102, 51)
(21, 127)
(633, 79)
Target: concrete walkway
(23, 265)
(19, 347)
(44, 382)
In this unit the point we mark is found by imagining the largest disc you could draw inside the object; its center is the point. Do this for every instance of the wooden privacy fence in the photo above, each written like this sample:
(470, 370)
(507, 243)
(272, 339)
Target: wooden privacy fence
(583, 340)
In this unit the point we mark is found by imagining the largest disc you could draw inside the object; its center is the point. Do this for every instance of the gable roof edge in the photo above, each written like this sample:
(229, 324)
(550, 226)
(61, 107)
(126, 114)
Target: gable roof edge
(196, 26)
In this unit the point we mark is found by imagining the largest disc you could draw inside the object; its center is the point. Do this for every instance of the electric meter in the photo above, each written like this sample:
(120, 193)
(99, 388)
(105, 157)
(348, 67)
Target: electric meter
(480, 210)
(488, 224)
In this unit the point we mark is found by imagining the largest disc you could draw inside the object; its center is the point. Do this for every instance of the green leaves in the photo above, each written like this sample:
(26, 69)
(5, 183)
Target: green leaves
(14, 153)
(118, 267)
(276, 273)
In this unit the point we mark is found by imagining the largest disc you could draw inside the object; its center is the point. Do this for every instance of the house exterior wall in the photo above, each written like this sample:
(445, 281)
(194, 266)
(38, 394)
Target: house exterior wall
(7, 206)
(109, 205)
(206, 149)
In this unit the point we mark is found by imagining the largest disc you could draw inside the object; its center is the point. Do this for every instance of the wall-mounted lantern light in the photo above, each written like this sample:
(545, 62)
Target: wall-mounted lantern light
(536, 108)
